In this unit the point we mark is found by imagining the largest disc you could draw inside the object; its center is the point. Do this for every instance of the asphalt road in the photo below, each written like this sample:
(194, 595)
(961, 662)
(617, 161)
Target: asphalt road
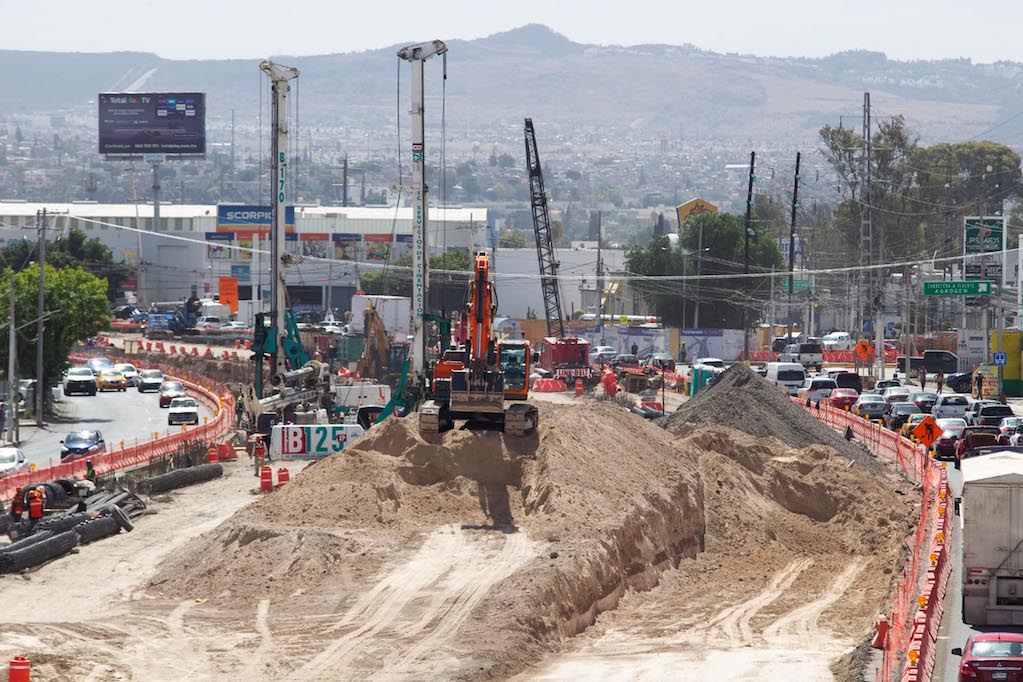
(118, 416)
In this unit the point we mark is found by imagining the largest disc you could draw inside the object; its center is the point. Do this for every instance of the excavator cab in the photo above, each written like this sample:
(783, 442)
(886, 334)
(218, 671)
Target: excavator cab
(515, 358)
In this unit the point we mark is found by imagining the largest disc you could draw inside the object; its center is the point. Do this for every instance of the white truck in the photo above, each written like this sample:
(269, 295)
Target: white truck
(394, 312)
(991, 508)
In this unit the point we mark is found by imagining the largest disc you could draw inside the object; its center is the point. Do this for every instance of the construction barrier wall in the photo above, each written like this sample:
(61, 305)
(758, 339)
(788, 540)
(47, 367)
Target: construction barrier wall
(217, 399)
(909, 647)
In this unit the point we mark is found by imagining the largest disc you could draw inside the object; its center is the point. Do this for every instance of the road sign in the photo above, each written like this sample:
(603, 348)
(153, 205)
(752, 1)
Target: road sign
(927, 431)
(970, 288)
(799, 285)
(1000, 358)
(864, 350)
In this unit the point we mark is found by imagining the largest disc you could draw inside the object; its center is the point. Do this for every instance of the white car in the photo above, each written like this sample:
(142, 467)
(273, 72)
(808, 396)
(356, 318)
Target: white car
(333, 328)
(602, 354)
(816, 389)
(717, 363)
(837, 341)
(131, 375)
(12, 461)
(949, 406)
(236, 326)
(183, 411)
(207, 322)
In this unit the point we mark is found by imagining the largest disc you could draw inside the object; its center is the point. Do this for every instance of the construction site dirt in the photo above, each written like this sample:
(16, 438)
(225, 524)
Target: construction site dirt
(603, 546)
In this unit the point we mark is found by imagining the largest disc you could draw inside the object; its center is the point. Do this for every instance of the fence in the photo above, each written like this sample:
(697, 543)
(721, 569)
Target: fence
(909, 647)
(218, 400)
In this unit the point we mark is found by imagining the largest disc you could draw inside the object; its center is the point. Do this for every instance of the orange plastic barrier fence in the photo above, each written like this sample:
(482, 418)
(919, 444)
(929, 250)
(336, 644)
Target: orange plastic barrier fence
(909, 648)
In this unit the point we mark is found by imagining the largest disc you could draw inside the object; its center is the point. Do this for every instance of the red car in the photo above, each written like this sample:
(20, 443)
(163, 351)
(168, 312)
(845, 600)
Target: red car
(991, 656)
(170, 390)
(975, 437)
(843, 398)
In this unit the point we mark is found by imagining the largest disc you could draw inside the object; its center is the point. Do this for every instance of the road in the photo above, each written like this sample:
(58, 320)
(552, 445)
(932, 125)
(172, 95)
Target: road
(118, 416)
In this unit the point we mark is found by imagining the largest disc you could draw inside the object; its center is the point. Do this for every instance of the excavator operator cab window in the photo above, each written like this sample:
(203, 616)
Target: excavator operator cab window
(513, 366)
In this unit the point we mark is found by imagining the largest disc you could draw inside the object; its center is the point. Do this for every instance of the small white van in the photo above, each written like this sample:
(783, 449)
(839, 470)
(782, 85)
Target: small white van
(788, 376)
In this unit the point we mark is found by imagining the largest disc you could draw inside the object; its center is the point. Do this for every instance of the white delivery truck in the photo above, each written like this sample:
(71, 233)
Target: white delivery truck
(394, 312)
(992, 513)
(788, 376)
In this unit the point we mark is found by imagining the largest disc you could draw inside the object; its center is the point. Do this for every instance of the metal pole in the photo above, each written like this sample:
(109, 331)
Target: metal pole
(140, 276)
(600, 282)
(279, 76)
(12, 371)
(792, 241)
(699, 271)
(416, 55)
(745, 265)
(40, 323)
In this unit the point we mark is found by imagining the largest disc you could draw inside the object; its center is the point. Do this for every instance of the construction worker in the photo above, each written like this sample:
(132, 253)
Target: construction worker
(259, 452)
(239, 410)
(35, 504)
(980, 385)
(17, 505)
(90, 472)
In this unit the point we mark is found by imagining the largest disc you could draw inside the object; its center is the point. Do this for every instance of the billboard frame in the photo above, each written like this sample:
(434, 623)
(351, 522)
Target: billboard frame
(141, 154)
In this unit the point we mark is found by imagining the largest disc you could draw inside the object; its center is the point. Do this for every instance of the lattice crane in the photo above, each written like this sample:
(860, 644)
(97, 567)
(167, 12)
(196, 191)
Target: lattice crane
(544, 243)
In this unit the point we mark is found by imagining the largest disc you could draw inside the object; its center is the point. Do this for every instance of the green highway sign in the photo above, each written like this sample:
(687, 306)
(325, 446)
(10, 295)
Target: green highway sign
(799, 285)
(970, 288)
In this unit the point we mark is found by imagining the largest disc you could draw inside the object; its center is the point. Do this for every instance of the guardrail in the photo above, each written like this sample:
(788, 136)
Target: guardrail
(909, 647)
(217, 399)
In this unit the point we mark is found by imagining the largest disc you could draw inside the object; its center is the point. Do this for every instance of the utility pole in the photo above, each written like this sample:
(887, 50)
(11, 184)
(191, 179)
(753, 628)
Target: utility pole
(694, 291)
(279, 77)
(866, 236)
(600, 283)
(40, 323)
(232, 141)
(344, 181)
(12, 371)
(745, 265)
(792, 240)
(416, 56)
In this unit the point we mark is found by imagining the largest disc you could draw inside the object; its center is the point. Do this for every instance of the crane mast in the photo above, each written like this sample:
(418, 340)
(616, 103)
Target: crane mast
(544, 242)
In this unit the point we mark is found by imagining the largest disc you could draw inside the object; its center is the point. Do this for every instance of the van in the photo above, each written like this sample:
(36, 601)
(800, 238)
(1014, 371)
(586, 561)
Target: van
(943, 361)
(788, 376)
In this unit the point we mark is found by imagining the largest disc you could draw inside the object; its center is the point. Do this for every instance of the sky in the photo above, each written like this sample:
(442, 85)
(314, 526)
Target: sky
(201, 29)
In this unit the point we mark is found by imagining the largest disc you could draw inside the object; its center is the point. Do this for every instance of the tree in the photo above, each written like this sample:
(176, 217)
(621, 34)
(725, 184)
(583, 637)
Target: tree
(512, 239)
(75, 303)
(397, 280)
(75, 250)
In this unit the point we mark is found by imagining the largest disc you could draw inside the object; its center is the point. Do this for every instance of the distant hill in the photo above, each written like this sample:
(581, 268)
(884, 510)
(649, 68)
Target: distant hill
(534, 71)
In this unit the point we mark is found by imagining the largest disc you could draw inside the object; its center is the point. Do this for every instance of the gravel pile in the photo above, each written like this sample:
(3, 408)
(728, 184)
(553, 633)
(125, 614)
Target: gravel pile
(744, 401)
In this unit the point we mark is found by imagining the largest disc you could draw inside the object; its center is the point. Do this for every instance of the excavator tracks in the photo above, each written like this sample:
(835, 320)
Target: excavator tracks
(520, 419)
(434, 417)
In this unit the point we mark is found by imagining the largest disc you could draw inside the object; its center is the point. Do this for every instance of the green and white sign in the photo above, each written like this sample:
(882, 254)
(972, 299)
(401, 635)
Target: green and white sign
(970, 288)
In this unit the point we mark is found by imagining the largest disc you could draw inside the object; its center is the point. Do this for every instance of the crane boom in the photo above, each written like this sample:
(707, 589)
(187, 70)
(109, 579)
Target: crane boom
(544, 243)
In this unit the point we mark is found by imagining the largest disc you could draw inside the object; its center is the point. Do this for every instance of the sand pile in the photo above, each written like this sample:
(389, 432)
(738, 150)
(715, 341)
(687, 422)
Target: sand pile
(744, 401)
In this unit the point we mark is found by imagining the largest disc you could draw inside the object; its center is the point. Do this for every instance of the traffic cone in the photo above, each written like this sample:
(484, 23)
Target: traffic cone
(212, 456)
(20, 669)
(578, 386)
(283, 476)
(266, 479)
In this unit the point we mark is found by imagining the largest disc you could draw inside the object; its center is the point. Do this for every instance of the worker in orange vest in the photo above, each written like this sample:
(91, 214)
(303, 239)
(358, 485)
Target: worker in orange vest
(259, 453)
(35, 505)
(17, 505)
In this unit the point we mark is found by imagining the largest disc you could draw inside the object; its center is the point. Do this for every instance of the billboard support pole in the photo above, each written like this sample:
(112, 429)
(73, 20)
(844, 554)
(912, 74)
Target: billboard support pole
(140, 276)
(279, 77)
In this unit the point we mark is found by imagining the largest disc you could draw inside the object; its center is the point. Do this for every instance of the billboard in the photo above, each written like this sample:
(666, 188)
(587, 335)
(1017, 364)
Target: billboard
(152, 123)
(984, 249)
(246, 219)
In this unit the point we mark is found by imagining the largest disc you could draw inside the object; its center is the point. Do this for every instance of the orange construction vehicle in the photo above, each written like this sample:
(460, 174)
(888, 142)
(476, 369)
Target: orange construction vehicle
(482, 380)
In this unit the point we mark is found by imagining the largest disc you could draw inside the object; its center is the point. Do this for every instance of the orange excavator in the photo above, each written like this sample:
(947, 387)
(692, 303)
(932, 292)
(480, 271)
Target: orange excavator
(482, 380)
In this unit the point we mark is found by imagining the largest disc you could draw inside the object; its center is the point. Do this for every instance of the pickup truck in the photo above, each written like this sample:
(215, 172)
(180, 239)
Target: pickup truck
(807, 354)
(992, 559)
(949, 406)
(973, 438)
(991, 415)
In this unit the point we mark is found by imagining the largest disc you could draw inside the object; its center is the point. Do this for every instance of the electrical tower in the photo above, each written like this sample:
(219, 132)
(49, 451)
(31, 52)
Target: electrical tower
(544, 242)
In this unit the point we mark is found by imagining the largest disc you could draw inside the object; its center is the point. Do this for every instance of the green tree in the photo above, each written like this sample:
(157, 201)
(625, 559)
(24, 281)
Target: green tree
(397, 280)
(75, 306)
(74, 250)
(513, 239)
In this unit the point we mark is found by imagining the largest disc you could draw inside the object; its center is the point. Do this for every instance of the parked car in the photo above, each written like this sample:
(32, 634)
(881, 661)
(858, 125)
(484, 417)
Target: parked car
(992, 415)
(911, 423)
(208, 323)
(150, 380)
(717, 363)
(1008, 425)
(943, 361)
(80, 380)
(110, 379)
(951, 431)
(599, 354)
(961, 382)
(896, 414)
(131, 375)
(79, 444)
(924, 400)
(237, 326)
(96, 364)
(869, 406)
(950, 406)
(169, 390)
(627, 361)
(183, 411)
(843, 398)
(974, 437)
(12, 461)
(333, 328)
(807, 354)
(816, 390)
(991, 656)
(837, 341)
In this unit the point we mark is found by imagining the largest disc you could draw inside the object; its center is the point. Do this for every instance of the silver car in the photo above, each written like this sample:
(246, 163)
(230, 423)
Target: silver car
(869, 406)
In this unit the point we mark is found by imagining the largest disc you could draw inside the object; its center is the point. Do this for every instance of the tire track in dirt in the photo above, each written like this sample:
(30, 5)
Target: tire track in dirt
(254, 663)
(450, 573)
(800, 625)
(734, 622)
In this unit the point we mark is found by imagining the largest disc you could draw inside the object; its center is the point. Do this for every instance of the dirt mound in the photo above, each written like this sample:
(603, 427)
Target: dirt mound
(601, 501)
(744, 401)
